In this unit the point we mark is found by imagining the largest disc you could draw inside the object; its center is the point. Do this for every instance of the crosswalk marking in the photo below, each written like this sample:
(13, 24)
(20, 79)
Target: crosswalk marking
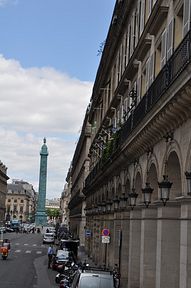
(38, 252)
(17, 251)
(17, 243)
(26, 244)
(34, 245)
(28, 251)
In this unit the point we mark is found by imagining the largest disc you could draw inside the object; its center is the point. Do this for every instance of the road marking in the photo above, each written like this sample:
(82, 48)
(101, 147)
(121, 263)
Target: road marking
(38, 252)
(26, 244)
(17, 243)
(17, 251)
(34, 245)
(27, 251)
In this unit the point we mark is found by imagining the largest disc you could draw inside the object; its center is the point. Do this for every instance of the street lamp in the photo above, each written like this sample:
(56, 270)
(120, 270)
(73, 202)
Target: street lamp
(123, 201)
(116, 203)
(147, 191)
(165, 186)
(108, 205)
(132, 198)
(188, 179)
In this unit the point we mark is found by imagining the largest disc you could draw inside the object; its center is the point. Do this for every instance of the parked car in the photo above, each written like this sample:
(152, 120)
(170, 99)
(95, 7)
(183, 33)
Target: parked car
(9, 229)
(2, 229)
(48, 238)
(93, 278)
(62, 257)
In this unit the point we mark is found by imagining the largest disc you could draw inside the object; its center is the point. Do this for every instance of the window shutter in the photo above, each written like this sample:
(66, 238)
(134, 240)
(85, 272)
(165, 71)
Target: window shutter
(147, 74)
(132, 34)
(142, 20)
(137, 23)
(163, 48)
(151, 70)
(138, 89)
(150, 6)
(170, 38)
(186, 16)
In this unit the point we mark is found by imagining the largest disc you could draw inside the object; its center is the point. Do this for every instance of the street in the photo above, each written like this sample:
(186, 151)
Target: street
(26, 265)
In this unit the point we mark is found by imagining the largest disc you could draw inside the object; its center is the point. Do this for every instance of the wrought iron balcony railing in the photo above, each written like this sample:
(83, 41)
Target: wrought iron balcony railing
(168, 74)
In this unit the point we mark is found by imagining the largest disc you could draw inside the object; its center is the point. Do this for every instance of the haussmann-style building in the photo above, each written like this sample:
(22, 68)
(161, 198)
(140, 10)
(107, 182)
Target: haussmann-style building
(137, 191)
(3, 191)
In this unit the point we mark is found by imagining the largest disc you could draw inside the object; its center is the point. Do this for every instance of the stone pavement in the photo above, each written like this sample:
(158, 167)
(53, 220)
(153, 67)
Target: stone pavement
(83, 257)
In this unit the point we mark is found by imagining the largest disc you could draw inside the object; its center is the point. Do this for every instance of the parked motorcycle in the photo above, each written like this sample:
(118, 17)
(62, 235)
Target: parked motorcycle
(65, 283)
(4, 252)
(67, 274)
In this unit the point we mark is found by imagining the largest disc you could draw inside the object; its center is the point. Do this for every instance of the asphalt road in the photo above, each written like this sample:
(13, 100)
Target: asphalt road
(26, 265)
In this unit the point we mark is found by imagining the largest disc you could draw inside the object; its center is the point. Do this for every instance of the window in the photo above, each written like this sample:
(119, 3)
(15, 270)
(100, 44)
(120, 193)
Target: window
(15, 200)
(9, 200)
(22, 201)
(170, 38)
(163, 48)
(142, 20)
(14, 208)
(186, 16)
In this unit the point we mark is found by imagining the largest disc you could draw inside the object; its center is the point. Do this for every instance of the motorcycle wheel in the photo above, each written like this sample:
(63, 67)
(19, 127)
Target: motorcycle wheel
(4, 257)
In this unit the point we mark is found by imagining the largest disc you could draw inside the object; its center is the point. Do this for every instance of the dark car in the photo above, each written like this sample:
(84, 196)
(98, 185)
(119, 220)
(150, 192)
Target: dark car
(93, 279)
(62, 257)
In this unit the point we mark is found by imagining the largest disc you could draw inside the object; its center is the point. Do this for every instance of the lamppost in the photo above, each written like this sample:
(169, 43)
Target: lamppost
(165, 184)
(188, 179)
(132, 198)
(147, 191)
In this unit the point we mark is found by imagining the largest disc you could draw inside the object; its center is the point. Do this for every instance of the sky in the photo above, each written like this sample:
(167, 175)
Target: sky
(48, 64)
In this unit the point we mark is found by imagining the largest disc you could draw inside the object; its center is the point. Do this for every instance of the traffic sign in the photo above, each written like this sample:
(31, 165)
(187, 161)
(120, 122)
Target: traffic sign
(105, 239)
(105, 232)
(88, 233)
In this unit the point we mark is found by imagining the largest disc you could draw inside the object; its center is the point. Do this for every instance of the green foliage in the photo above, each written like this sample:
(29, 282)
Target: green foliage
(53, 212)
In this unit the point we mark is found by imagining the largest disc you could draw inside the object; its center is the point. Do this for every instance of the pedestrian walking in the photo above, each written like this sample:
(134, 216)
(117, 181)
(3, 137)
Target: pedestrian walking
(50, 254)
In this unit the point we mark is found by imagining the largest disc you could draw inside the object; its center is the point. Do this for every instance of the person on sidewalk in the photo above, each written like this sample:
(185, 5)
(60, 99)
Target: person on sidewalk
(50, 254)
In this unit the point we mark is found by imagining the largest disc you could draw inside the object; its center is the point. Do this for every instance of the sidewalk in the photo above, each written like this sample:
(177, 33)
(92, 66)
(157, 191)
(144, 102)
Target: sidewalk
(83, 257)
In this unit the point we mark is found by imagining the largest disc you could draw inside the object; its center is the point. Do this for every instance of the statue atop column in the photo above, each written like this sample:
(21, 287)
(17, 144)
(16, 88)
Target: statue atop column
(41, 217)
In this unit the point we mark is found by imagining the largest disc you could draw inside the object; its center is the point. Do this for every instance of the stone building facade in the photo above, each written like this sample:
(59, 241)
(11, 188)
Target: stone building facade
(64, 201)
(77, 174)
(3, 190)
(139, 181)
(21, 201)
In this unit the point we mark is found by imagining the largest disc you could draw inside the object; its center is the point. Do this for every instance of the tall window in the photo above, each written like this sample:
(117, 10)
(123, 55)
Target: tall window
(186, 16)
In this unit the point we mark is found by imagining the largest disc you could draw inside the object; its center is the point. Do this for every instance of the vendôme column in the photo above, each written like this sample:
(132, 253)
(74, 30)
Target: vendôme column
(41, 217)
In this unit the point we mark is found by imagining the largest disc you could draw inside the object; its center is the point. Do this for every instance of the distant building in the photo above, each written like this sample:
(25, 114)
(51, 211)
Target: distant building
(64, 201)
(53, 203)
(20, 201)
(3, 189)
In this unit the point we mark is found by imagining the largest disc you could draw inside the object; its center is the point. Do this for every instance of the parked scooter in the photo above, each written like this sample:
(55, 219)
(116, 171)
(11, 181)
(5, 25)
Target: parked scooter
(4, 249)
(4, 252)
(65, 283)
(67, 274)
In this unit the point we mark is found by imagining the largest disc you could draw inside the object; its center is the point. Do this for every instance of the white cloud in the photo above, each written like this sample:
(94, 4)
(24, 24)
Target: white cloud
(6, 2)
(36, 103)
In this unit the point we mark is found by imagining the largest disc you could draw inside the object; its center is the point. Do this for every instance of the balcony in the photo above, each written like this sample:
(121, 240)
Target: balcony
(169, 73)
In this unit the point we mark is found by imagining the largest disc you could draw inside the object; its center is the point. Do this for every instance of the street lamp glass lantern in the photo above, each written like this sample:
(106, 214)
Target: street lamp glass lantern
(147, 192)
(108, 205)
(132, 198)
(165, 186)
(188, 179)
(116, 203)
(123, 201)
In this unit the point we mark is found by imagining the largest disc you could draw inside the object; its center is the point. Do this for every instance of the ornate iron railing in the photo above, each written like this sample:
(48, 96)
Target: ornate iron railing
(174, 66)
